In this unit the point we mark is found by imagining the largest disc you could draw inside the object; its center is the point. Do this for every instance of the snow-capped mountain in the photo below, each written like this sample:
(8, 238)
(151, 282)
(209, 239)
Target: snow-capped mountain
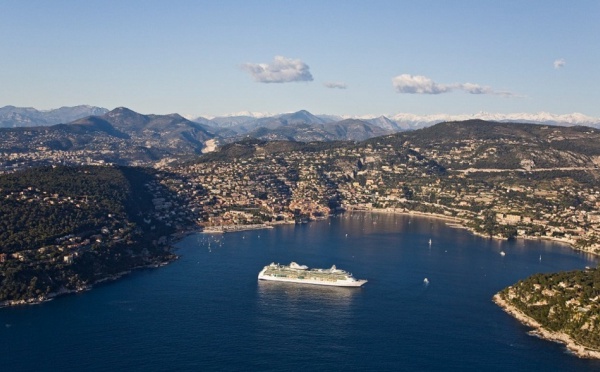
(247, 122)
(419, 121)
(251, 114)
(408, 121)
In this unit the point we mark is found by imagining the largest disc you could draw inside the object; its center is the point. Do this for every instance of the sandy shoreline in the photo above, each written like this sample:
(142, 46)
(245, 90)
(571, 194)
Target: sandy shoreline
(460, 223)
(575, 348)
(234, 228)
(456, 220)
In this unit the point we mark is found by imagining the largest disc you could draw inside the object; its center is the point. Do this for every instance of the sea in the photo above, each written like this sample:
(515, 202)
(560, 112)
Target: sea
(208, 312)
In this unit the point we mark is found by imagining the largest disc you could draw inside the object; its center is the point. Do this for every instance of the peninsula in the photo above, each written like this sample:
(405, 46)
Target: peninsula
(562, 307)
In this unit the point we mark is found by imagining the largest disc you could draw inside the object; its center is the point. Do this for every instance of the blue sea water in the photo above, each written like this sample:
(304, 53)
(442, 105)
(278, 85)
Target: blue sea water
(208, 312)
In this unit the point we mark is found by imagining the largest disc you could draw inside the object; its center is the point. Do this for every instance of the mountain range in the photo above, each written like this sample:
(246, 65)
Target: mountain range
(122, 136)
(128, 137)
(304, 126)
(162, 131)
(12, 117)
(406, 121)
(243, 123)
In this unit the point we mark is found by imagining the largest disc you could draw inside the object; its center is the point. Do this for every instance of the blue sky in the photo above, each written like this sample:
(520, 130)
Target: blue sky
(328, 57)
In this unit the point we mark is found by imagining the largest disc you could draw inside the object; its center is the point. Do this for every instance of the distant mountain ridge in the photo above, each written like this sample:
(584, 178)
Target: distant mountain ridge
(407, 121)
(242, 123)
(124, 136)
(296, 126)
(153, 131)
(132, 136)
(572, 119)
(12, 117)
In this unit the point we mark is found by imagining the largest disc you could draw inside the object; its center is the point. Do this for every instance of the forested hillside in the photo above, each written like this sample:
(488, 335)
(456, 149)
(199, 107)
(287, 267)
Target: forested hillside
(565, 302)
(63, 228)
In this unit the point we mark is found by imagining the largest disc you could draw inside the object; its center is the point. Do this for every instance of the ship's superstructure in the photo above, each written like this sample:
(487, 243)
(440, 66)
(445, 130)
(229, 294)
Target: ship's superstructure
(295, 273)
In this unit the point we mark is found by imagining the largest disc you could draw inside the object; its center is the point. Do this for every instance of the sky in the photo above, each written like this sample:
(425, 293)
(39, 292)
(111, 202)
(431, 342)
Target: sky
(341, 57)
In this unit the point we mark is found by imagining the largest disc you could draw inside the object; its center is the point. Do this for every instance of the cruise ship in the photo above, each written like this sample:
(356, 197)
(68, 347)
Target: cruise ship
(295, 273)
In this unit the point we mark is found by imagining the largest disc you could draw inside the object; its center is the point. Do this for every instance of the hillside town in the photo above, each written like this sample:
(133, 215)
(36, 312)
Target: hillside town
(494, 187)
(297, 186)
(560, 203)
(477, 184)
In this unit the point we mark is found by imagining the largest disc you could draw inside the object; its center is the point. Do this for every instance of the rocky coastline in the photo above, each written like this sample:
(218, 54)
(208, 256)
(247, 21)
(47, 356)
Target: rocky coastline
(64, 291)
(453, 222)
(577, 349)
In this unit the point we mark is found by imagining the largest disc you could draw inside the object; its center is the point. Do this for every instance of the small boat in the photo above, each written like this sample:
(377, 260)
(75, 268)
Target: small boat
(429, 242)
(502, 253)
(425, 281)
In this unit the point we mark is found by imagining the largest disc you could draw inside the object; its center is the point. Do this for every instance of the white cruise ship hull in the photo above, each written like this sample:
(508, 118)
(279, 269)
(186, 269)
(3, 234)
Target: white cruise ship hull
(349, 282)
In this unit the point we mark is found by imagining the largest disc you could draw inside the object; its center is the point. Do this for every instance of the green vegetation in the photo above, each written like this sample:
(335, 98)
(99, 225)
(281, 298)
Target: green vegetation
(567, 302)
(68, 227)
(64, 228)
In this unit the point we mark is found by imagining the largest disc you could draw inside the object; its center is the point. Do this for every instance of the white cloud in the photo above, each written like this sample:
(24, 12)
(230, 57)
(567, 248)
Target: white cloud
(478, 89)
(418, 84)
(475, 88)
(281, 70)
(559, 63)
(335, 85)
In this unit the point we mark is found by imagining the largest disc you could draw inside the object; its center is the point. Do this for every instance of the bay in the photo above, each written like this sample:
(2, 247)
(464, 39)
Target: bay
(207, 311)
